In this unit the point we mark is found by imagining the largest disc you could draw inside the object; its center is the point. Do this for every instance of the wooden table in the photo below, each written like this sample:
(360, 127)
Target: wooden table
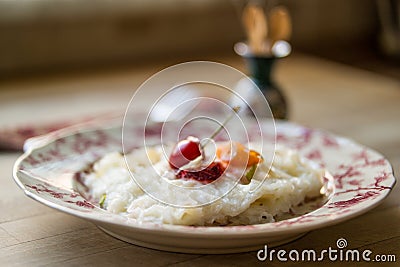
(358, 104)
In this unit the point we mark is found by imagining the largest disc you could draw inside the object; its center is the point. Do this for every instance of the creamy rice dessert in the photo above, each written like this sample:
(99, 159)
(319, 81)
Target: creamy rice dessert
(264, 191)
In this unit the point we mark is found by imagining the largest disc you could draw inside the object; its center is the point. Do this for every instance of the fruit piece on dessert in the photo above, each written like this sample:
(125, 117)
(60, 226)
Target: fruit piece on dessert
(184, 152)
(237, 154)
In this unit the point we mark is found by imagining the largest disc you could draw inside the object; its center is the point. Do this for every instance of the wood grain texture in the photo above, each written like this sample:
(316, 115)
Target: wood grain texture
(358, 104)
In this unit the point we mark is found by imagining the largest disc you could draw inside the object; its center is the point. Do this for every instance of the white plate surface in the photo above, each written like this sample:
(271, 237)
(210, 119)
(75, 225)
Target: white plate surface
(362, 178)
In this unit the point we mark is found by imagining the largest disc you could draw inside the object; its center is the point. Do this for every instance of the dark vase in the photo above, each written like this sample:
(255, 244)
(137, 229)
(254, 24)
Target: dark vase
(261, 68)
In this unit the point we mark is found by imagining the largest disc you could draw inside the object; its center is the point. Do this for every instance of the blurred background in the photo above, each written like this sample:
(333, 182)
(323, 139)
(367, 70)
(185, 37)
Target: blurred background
(78, 62)
(47, 36)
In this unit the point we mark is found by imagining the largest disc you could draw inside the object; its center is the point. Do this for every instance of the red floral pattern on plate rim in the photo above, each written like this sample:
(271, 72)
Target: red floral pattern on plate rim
(362, 177)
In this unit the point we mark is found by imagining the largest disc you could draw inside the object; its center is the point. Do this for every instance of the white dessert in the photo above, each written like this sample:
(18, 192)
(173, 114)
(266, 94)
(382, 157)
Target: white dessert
(272, 191)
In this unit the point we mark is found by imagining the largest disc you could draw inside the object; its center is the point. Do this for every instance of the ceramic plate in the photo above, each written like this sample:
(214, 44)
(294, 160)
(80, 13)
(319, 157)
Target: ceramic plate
(359, 179)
